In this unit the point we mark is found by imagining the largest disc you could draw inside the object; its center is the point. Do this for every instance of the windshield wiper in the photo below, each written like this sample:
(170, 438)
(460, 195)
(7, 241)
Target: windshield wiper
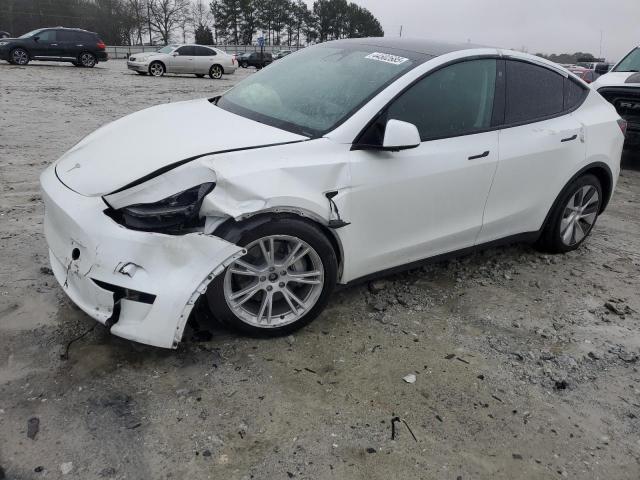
(627, 71)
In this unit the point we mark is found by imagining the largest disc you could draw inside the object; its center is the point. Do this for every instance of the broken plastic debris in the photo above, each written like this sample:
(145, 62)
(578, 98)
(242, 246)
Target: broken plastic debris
(411, 378)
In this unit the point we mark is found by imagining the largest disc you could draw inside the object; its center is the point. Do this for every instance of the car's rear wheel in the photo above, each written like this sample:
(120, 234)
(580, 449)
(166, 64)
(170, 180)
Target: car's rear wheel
(156, 69)
(19, 56)
(87, 60)
(244, 65)
(215, 72)
(281, 284)
(573, 216)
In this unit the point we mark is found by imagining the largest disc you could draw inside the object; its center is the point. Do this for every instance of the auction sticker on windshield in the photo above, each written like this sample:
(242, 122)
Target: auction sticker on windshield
(387, 58)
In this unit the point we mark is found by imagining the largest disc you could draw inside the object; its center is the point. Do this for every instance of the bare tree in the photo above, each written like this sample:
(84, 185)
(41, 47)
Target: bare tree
(137, 16)
(167, 15)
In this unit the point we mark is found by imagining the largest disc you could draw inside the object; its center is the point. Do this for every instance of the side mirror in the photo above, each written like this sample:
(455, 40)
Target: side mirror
(602, 68)
(36, 38)
(175, 54)
(399, 135)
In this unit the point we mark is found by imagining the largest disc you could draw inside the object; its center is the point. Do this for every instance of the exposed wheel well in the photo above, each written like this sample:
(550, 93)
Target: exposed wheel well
(231, 230)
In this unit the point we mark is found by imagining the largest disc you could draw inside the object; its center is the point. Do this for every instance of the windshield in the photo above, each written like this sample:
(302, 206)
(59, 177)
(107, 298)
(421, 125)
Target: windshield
(311, 91)
(631, 62)
(167, 49)
(30, 34)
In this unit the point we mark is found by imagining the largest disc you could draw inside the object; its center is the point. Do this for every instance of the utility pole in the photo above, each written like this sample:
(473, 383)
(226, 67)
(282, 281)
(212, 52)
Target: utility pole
(400, 31)
(149, 20)
(600, 55)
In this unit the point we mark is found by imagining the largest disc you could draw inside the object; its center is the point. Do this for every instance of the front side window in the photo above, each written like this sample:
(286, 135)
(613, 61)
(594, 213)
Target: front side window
(630, 63)
(319, 88)
(186, 51)
(47, 36)
(533, 92)
(453, 101)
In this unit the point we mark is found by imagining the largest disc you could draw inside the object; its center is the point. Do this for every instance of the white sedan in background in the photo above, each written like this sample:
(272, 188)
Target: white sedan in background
(399, 152)
(185, 59)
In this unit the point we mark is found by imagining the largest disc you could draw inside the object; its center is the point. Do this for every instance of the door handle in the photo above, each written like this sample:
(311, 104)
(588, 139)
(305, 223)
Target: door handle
(482, 155)
(570, 139)
(54, 44)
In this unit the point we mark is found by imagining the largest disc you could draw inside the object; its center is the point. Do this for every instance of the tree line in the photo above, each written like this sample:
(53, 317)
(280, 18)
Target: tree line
(136, 22)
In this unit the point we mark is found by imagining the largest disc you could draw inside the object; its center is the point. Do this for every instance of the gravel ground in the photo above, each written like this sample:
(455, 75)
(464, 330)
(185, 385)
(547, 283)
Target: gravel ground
(526, 365)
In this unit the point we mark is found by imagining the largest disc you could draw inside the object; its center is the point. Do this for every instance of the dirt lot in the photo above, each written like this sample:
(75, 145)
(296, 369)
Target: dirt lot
(526, 364)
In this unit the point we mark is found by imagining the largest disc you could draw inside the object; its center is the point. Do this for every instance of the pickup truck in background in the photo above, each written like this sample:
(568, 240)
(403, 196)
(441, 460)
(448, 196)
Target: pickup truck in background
(621, 88)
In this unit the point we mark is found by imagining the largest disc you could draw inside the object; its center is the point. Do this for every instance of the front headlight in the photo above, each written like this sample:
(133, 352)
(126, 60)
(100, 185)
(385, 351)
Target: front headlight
(173, 213)
(2, 44)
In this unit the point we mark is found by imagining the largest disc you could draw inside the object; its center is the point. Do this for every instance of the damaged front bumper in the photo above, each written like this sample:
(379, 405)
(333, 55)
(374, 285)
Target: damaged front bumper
(141, 285)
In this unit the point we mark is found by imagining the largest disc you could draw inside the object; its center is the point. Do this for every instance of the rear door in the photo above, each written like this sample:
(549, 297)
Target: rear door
(70, 43)
(204, 58)
(540, 145)
(184, 61)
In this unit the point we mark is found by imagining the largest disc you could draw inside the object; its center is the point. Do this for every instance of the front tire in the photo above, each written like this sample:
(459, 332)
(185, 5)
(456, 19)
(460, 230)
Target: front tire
(281, 284)
(156, 69)
(87, 60)
(19, 56)
(573, 216)
(215, 72)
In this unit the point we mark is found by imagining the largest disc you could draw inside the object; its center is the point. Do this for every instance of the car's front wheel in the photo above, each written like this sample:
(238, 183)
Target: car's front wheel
(573, 216)
(156, 69)
(19, 56)
(215, 72)
(244, 65)
(281, 284)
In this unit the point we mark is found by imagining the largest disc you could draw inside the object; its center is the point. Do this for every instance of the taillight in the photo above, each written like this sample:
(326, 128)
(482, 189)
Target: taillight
(101, 45)
(622, 123)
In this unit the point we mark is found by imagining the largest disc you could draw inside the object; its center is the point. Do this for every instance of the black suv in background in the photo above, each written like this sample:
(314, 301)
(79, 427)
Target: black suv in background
(255, 59)
(80, 47)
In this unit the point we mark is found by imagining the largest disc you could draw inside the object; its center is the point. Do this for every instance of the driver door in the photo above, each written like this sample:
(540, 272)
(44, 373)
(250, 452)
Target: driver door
(45, 44)
(184, 61)
(429, 200)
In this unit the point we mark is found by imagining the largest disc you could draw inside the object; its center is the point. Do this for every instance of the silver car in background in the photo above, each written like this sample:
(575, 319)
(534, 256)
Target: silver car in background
(198, 60)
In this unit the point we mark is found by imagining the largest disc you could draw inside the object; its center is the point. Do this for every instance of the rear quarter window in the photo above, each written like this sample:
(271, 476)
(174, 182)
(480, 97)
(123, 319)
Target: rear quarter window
(574, 94)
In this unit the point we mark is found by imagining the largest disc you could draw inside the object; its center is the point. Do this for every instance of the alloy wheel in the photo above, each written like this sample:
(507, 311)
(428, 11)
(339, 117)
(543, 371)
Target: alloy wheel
(276, 283)
(579, 215)
(20, 57)
(87, 60)
(216, 72)
(156, 69)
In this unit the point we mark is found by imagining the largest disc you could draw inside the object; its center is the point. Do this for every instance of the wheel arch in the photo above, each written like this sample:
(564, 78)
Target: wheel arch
(164, 65)
(602, 172)
(232, 229)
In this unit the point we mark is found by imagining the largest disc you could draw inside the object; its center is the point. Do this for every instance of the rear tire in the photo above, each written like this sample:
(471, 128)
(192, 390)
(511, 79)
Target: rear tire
(316, 271)
(244, 65)
(215, 72)
(573, 216)
(87, 60)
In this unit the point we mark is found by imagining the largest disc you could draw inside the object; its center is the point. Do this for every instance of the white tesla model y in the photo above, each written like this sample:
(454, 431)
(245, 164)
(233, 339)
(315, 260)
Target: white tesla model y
(338, 162)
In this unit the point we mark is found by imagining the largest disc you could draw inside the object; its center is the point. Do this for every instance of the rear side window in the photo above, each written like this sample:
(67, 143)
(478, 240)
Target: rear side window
(574, 94)
(456, 100)
(532, 92)
(204, 52)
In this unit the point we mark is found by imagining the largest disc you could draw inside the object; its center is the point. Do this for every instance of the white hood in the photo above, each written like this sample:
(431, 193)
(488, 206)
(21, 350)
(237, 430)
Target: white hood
(614, 79)
(146, 141)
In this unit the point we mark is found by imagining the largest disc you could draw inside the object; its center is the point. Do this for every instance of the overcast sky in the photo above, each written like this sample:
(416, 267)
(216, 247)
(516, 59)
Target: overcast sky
(548, 26)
